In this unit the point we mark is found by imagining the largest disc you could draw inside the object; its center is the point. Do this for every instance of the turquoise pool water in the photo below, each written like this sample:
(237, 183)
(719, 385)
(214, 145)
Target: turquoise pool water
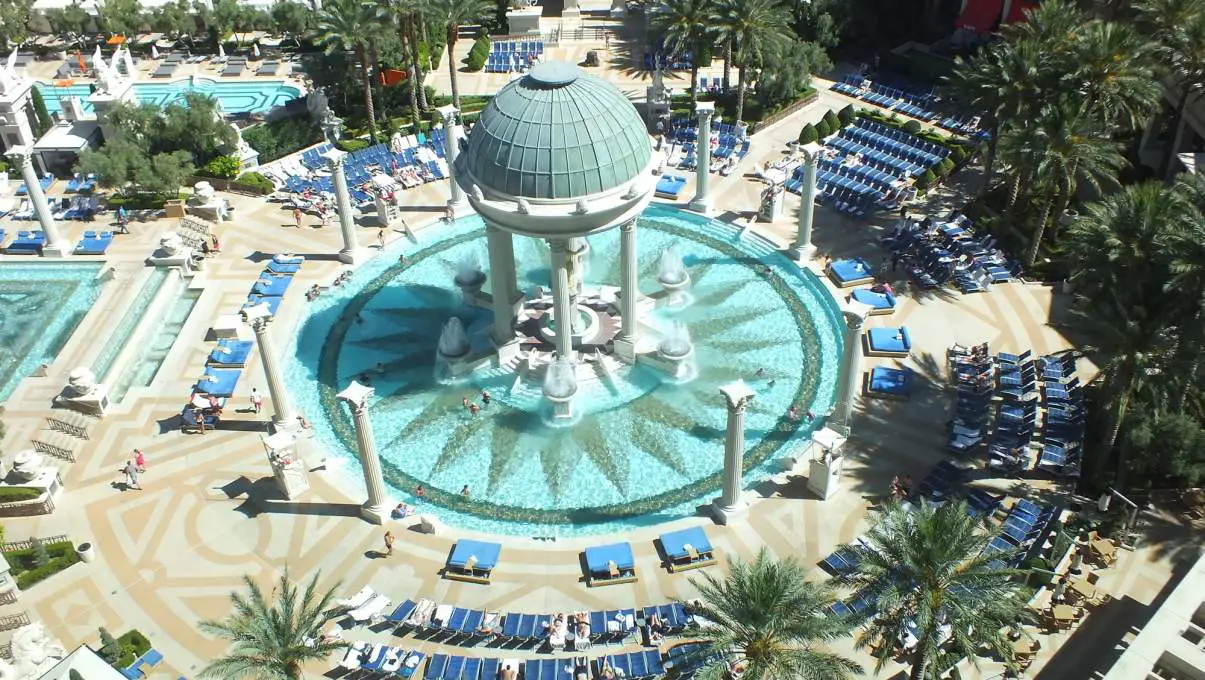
(235, 97)
(645, 450)
(40, 307)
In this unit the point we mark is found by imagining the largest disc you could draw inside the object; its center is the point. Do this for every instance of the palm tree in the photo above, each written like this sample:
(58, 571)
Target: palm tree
(350, 26)
(768, 618)
(1114, 73)
(684, 25)
(1186, 245)
(270, 635)
(750, 27)
(1069, 147)
(454, 13)
(1178, 29)
(931, 575)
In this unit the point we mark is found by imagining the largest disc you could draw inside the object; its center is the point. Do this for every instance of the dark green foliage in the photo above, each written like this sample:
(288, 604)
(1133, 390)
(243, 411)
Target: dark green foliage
(280, 138)
(350, 145)
(222, 167)
(1166, 449)
(846, 115)
(14, 495)
(25, 566)
(958, 154)
(943, 167)
(109, 650)
(41, 557)
(41, 116)
(822, 129)
(132, 644)
(912, 126)
(478, 54)
(74, 675)
(257, 181)
(926, 180)
(833, 122)
(808, 134)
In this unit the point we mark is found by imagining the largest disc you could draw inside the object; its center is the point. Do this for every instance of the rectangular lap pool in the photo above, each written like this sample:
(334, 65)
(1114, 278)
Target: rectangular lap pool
(235, 97)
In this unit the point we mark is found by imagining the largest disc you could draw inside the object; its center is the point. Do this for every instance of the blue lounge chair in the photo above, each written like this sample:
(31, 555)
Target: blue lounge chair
(473, 561)
(230, 353)
(889, 383)
(612, 563)
(888, 342)
(402, 612)
(670, 186)
(841, 561)
(191, 420)
(275, 267)
(879, 303)
(436, 667)
(851, 272)
(272, 301)
(411, 664)
(218, 382)
(687, 549)
(272, 286)
(94, 243)
(27, 243)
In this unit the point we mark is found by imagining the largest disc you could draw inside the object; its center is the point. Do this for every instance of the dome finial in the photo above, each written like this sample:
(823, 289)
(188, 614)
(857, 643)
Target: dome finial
(553, 74)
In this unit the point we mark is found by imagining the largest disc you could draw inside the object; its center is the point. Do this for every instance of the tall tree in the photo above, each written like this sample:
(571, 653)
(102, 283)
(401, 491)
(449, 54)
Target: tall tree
(347, 26)
(120, 17)
(685, 26)
(752, 27)
(1178, 29)
(292, 20)
(273, 637)
(175, 19)
(771, 620)
(1113, 71)
(931, 575)
(455, 13)
(14, 22)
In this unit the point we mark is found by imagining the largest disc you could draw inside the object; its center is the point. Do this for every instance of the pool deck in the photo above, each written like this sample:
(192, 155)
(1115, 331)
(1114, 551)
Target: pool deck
(170, 554)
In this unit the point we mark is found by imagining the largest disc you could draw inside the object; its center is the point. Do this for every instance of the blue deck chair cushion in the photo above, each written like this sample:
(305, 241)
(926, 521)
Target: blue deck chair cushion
(890, 381)
(851, 271)
(483, 553)
(231, 353)
(219, 382)
(598, 558)
(889, 340)
(272, 286)
(675, 543)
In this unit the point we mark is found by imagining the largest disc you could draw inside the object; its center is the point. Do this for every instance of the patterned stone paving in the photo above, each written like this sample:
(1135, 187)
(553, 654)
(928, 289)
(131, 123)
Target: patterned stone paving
(169, 555)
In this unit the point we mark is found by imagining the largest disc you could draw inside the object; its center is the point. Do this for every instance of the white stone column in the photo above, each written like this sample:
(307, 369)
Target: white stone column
(376, 509)
(702, 202)
(502, 265)
(629, 292)
(561, 309)
(802, 250)
(56, 245)
(347, 221)
(259, 317)
(851, 368)
(737, 396)
(451, 150)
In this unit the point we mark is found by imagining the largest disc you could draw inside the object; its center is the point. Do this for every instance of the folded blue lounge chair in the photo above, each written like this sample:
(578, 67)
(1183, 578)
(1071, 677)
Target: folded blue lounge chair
(275, 267)
(851, 272)
(888, 342)
(230, 353)
(218, 382)
(272, 286)
(612, 563)
(879, 303)
(272, 301)
(687, 549)
(473, 561)
(889, 383)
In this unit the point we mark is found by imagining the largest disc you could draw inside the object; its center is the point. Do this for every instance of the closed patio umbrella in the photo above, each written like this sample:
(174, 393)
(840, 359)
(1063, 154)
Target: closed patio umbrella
(221, 52)
(154, 51)
(255, 51)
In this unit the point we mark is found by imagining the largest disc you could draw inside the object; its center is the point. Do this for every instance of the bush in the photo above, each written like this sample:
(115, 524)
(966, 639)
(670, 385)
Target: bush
(15, 494)
(257, 181)
(109, 649)
(808, 134)
(25, 567)
(74, 675)
(822, 129)
(478, 54)
(944, 167)
(846, 115)
(41, 558)
(132, 644)
(958, 154)
(926, 180)
(834, 123)
(140, 201)
(350, 145)
(222, 167)
(912, 126)
(283, 137)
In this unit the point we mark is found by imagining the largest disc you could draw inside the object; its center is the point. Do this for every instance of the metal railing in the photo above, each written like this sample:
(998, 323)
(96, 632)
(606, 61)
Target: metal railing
(27, 544)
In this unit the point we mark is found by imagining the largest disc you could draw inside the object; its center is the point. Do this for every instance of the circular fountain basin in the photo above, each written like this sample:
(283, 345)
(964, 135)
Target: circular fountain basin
(642, 449)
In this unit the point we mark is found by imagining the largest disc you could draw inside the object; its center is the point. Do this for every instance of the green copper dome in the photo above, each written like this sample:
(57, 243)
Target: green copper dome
(557, 133)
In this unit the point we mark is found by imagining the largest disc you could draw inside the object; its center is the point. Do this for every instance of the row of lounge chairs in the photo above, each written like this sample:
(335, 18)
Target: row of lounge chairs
(938, 253)
(642, 665)
(1021, 531)
(381, 659)
(507, 56)
(45, 181)
(79, 183)
(895, 99)
(25, 243)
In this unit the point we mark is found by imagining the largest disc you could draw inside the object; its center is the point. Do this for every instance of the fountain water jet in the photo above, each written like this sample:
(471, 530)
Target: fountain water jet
(453, 348)
(469, 277)
(677, 351)
(560, 384)
(673, 277)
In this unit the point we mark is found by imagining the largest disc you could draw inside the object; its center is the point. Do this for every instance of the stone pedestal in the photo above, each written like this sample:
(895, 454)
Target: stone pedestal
(730, 504)
(524, 20)
(826, 464)
(376, 509)
(771, 204)
(82, 393)
(803, 250)
(287, 466)
(701, 203)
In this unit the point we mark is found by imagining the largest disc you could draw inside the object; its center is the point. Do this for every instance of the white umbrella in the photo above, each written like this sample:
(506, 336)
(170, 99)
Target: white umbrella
(221, 52)
(255, 51)
(154, 51)
(396, 143)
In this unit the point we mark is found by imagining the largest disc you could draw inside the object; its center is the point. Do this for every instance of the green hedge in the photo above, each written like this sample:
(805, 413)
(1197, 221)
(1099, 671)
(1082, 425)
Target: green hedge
(808, 134)
(846, 115)
(15, 494)
(257, 181)
(133, 644)
(280, 138)
(478, 54)
(822, 129)
(27, 573)
(834, 123)
(222, 167)
(140, 201)
(350, 145)
(926, 180)
(912, 126)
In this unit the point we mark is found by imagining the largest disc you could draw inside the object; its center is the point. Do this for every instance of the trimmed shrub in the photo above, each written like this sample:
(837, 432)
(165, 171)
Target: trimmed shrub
(13, 495)
(352, 145)
(808, 134)
(132, 644)
(926, 180)
(912, 126)
(944, 166)
(109, 649)
(834, 123)
(222, 167)
(958, 154)
(257, 181)
(74, 675)
(478, 54)
(282, 137)
(822, 129)
(846, 115)
(41, 558)
(40, 115)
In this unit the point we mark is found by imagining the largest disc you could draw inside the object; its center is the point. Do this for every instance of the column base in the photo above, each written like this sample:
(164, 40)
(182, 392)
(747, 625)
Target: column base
(349, 256)
(508, 350)
(703, 207)
(625, 350)
(801, 255)
(57, 250)
(725, 514)
(460, 207)
(377, 514)
(283, 425)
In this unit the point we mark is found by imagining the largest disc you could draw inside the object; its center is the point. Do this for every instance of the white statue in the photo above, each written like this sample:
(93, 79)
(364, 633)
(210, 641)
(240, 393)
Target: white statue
(8, 75)
(81, 381)
(103, 77)
(27, 465)
(34, 653)
(317, 104)
(203, 193)
(241, 146)
(171, 244)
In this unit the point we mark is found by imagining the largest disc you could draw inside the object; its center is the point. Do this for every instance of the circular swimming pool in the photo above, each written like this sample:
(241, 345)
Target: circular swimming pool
(642, 449)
